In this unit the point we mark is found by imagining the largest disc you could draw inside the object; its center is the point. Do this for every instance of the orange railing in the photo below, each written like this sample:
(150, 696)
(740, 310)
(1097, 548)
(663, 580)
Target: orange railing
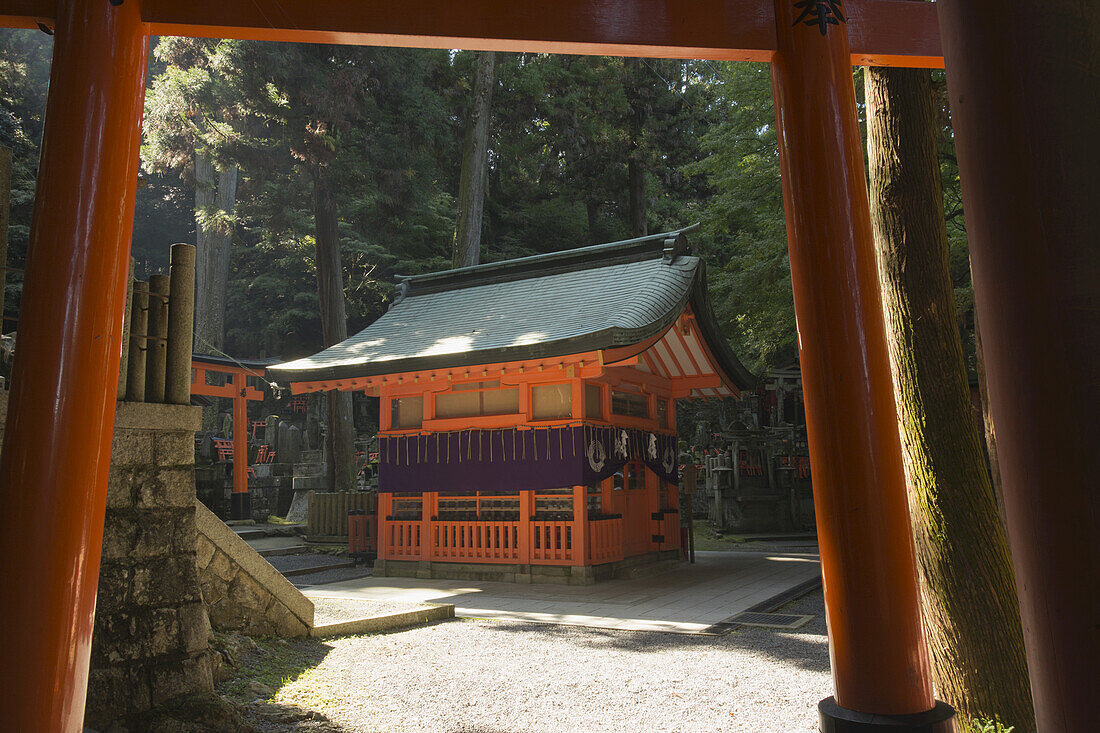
(605, 540)
(475, 541)
(401, 540)
(549, 543)
(552, 543)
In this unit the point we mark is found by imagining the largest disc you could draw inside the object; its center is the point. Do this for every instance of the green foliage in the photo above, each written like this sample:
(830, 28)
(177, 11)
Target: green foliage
(743, 218)
(386, 126)
(986, 725)
(24, 77)
(371, 119)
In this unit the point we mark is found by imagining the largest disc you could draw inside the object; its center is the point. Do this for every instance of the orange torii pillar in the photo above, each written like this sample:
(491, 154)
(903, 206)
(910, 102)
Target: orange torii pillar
(1024, 82)
(236, 389)
(881, 674)
(57, 444)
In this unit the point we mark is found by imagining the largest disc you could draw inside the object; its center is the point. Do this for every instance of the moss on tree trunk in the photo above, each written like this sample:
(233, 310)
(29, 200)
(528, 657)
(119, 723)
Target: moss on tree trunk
(968, 591)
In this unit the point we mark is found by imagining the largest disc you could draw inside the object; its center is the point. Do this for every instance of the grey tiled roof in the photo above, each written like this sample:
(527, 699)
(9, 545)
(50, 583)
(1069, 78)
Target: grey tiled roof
(534, 307)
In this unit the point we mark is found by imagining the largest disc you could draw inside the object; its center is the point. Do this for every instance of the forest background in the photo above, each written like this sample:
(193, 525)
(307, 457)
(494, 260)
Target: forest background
(582, 150)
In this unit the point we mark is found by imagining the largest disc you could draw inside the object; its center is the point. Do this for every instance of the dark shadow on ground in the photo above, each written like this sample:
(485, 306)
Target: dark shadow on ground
(273, 664)
(281, 718)
(805, 647)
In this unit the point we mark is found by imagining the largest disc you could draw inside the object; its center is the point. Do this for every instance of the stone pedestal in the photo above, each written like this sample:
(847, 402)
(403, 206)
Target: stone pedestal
(152, 635)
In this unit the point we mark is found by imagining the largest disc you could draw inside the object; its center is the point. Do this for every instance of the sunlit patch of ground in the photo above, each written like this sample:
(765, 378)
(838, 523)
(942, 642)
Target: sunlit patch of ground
(508, 676)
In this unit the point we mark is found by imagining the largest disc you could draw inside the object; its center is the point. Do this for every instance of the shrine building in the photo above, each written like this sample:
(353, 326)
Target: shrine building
(528, 422)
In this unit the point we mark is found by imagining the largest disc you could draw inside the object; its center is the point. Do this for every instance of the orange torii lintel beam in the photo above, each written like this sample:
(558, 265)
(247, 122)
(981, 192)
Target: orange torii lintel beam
(237, 390)
(882, 32)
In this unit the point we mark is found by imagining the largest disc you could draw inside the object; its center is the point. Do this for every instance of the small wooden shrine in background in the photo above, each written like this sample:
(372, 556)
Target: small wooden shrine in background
(528, 409)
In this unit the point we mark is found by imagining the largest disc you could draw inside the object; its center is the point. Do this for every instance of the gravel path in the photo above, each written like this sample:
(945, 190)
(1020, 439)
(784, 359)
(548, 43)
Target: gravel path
(492, 677)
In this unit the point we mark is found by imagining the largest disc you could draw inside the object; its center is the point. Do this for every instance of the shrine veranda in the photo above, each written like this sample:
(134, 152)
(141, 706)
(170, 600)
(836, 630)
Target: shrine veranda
(528, 421)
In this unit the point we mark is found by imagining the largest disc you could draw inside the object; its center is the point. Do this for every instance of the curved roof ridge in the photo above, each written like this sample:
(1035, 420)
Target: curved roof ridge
(585, 299)
(670, 243)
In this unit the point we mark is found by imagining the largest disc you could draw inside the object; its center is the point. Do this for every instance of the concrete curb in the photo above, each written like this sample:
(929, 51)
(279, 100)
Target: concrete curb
(385, 622)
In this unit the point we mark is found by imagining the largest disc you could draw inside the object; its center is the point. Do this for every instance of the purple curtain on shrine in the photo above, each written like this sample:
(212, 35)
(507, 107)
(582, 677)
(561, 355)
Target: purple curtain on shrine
(660, 453)
(517, 460)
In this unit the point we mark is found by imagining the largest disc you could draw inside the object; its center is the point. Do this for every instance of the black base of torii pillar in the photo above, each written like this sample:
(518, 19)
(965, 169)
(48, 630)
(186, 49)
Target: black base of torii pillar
(835, 719)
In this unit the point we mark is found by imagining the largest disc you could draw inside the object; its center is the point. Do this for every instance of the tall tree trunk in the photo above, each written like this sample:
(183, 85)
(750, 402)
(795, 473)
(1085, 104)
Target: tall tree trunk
(967, 586)
(334, 329)
(635, 166)
(475, 171)
(592, 212)
(215, 200)
(636, 173)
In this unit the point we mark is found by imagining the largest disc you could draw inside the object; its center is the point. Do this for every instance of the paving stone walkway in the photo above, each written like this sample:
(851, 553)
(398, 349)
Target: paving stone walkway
(689, 599)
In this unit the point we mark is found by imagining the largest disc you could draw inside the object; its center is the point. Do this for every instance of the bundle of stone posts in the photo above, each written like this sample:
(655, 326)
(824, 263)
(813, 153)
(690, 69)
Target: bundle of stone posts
(156, 345)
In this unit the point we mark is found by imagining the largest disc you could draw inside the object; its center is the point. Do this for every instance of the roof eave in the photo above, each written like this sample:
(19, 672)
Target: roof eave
(595, 341)
(716, 341)
(695, 295)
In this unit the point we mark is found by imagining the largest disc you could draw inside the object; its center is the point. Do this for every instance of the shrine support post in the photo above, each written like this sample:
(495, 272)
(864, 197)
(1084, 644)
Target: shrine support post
(241, 504)
(57, 442)
(1023, 81)
(879, 661)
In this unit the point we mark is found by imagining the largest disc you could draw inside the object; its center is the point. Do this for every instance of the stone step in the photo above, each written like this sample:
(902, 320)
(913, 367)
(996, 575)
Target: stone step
(308, 563)
(282, 469)
(317, 569)
(248, 533)
(289, 550)
(311, 483)
(330, 575)
(268, 482)
(308, 469)
(267, 545)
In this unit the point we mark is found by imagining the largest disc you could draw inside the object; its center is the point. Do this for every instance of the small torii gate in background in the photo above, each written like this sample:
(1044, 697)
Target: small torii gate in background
(237, 389)
(1022, 79)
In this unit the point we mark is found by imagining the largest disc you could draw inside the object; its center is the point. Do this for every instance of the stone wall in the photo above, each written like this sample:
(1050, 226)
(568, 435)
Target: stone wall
(242, 591)
(151, 638)
(271, 490)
